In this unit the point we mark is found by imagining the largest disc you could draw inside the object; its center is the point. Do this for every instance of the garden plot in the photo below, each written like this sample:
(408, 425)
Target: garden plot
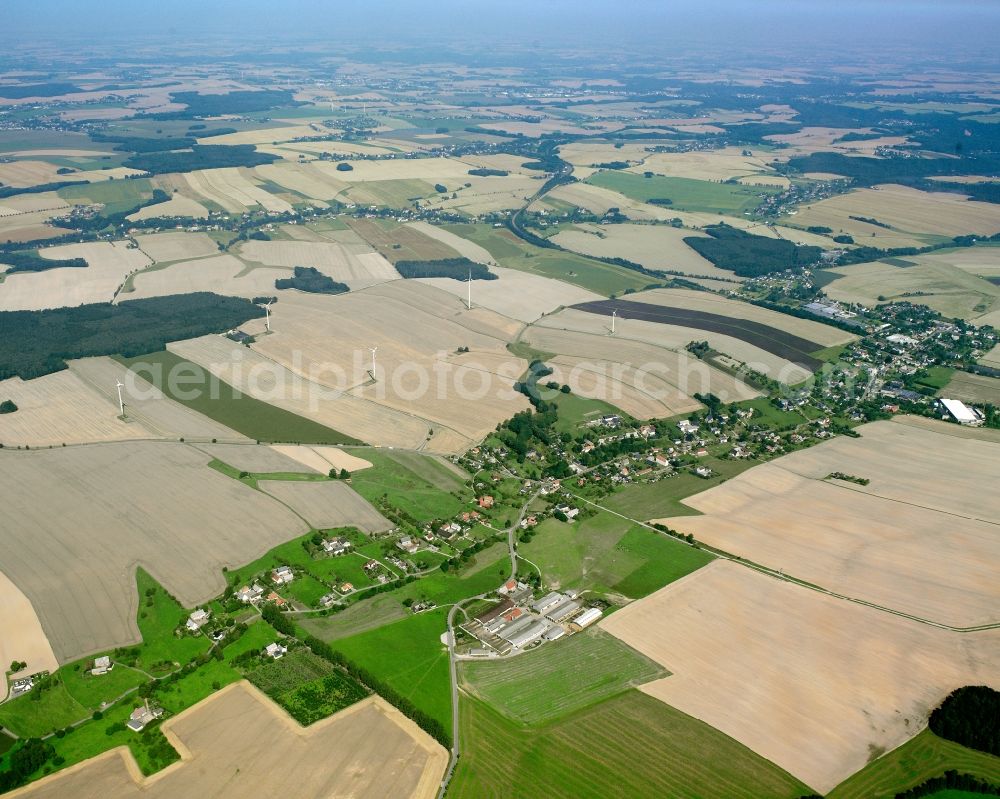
(817, 685)
(908, 540)
(238, 742)
(118, 507)
(109, 264)
(327, 503)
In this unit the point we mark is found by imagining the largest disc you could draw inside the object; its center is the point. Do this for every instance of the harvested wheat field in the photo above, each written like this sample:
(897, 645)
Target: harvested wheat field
(177, 246)
(973, 388)
(950, 291)
(119, 506)
(516, 294)
(418, 330)
(665, 375)
(992, 358)
(714, 165)
(908, 540)
(21, 174)
(670, 340)
(826, 140)
(23, 638)
(255, 458)
(262, 378)
(653, 246)
(301, 178)
(178, 205)
(982, 261)
(238, 742)
(60, 408)
(231, 189)
(145, 405)
(222, 274)
(327, 503)
(322, 459)
(433, 170)
(815, 684)
(336, 260)
(912, 215)
(109, 263)
(484, 195)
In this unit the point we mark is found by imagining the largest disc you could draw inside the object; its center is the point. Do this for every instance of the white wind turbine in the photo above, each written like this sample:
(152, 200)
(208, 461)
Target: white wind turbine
(614, 314)
(121, 402)
(469, 302)
(267, 316)
(373, 362)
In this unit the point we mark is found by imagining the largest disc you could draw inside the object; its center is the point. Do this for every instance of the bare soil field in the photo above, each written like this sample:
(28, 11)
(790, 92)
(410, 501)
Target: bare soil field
(238, 743)
(909, 540)
(109, 264)
(177, 246)
(322, 459)
(335, 260)
(327, 504)
(223, 274)
(653, 246)
(23, 638)
(118, 507)
(817, 685)
(60, 408)
(257, 458)
(145, 405)
(973, 388)
(949, 290)
(516, 294)
(661, 342)
(670, 376)
(912, 215)
(293, 390)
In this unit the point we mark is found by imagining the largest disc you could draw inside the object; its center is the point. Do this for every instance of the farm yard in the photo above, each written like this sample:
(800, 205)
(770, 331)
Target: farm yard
(906, 541)
(849, 689)
(239, 741)
(86, 596)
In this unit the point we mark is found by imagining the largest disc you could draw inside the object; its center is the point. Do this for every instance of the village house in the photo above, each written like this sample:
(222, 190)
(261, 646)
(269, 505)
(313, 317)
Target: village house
(407, 544)
(277, 600)
(486, 501)
(275, 651)
(346, 588)
(197, 620)
(143, 715)
(102, 665)
(336, 546)
(282, 575)
(371, 565)
(247, 595)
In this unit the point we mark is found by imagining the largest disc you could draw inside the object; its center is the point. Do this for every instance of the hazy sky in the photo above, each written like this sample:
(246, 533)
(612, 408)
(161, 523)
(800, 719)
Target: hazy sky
(962, 26)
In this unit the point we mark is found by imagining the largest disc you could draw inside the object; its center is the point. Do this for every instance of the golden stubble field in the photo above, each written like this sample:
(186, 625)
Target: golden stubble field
(23, 637)
(109, 263)
(818, 685)
(120, 505)
(920, 538)
(238, 743)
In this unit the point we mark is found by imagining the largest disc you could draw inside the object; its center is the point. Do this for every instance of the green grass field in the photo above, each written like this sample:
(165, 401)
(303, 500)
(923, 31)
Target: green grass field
(574, 410)
(686, 194)
(511, 252)
(115, 195)
(609, 554)
(916, 761)
(415, 482)
(645, 501)
(91, 691)
(29, 718)
(221, 402)
(628, 746)
(408, 655)
(560, 677)
(159, 615)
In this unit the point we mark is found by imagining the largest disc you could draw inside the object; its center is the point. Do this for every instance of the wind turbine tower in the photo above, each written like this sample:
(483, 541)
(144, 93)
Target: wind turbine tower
(469, 303)
(267, 317)
(121, 402)
(614, 313)
(373, 362)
